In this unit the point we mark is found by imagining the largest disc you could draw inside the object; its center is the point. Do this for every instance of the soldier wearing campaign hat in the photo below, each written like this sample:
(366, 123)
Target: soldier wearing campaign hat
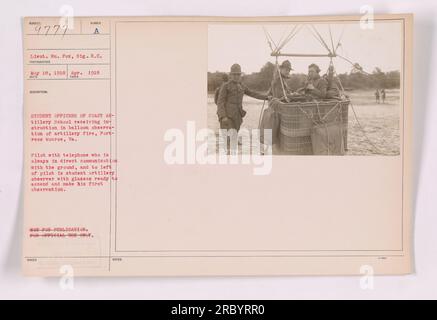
(279, 88)
(286, 64)
(230, 100)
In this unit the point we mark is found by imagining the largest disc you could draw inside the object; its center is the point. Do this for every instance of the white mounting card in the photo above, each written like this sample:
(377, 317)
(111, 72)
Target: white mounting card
(192, 146)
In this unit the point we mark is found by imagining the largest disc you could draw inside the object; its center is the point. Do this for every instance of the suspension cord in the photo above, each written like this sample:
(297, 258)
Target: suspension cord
(364, 132)
(357, 120)
(332, 40)
(340, 38)
(355, 65)
(321, 39)
(282, 82)
(269, 39)
(290, 36)
(260, 114)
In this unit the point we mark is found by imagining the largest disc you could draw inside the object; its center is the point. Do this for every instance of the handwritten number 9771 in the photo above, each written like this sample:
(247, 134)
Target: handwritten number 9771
(55, 29)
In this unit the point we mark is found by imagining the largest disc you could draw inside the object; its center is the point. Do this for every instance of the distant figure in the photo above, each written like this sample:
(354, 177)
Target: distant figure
(377, 96)
(383, 95)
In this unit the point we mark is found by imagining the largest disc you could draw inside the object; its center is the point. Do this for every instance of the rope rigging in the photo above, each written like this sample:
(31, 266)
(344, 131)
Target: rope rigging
(339, 39)
(332, 52)
(321, 38)
(332, 41)
(290, 36)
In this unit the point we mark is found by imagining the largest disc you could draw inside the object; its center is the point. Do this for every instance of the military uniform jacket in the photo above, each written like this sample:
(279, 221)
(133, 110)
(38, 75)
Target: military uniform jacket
(320, 88)
(276, 89)
(230, 101)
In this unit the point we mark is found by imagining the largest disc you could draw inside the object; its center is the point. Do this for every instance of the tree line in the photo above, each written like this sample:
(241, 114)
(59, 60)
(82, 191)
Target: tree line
(353, 80)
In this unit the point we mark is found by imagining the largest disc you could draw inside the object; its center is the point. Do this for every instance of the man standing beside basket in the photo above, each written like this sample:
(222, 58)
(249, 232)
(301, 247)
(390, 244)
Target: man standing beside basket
(230, 105)
(230, 100)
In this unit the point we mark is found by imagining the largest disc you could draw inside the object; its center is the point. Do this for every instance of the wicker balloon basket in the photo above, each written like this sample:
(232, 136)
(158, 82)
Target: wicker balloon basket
(297, 120)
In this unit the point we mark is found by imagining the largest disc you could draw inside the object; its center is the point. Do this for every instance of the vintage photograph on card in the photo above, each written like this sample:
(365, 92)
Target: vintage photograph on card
(318, 88)
(194, 146)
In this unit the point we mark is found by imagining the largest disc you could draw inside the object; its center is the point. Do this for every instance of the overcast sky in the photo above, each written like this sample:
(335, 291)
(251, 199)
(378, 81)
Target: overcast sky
(246, 44)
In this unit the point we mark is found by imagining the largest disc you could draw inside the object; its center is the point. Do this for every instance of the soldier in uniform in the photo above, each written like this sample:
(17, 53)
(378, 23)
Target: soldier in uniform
(383, 95)
(377, 96)
(230, 100)
(225, 79)
(315, 86)
(279, 86)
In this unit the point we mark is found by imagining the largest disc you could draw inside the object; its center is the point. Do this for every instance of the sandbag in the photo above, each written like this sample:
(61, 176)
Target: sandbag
(327, 139)
(269, 120)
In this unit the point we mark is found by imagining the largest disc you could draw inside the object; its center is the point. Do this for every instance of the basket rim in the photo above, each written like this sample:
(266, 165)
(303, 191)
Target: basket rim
(312, 103)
